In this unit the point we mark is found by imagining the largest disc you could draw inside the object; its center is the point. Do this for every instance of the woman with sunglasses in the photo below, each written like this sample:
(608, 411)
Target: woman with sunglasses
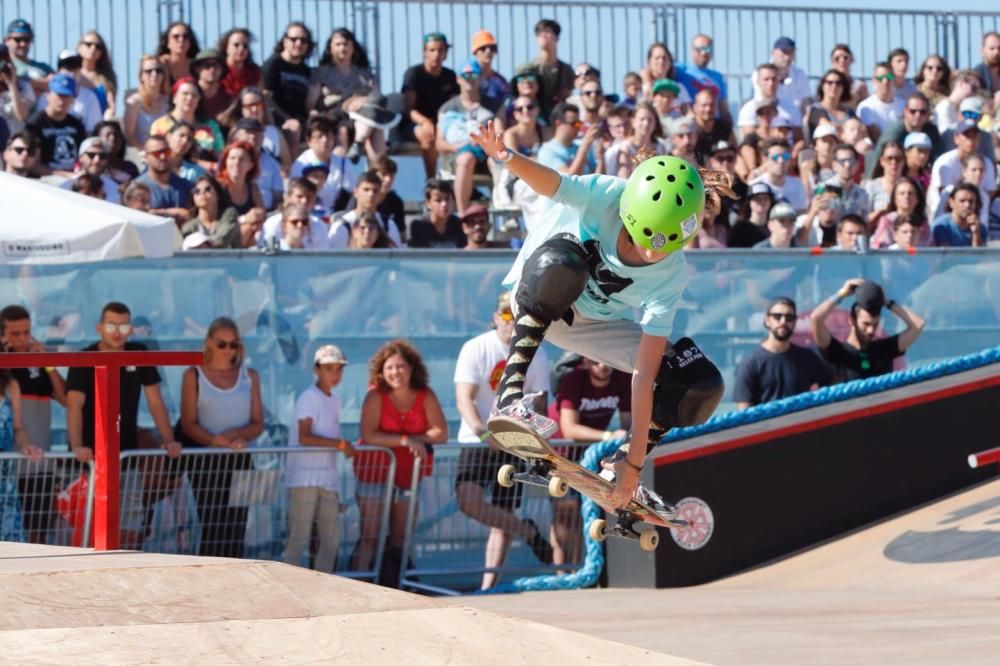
(97, 72)
(934, 79)
(178, 47)
(211, 216)
(251, 103)
(241, 70)
(150, 101)
(295, 223)
(610, 250)
(906, 202)
(832, 96)
(221, 411)
(880, 187)
(841, 59)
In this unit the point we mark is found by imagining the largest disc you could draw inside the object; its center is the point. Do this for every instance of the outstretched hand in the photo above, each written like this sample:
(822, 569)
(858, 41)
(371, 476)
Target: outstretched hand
(491, 142)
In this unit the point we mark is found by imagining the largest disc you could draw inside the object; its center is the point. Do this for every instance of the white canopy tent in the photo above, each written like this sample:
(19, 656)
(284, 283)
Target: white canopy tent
(43, 224)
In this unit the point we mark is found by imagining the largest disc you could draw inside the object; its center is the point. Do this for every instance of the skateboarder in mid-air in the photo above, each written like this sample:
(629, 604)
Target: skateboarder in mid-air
(613, 245)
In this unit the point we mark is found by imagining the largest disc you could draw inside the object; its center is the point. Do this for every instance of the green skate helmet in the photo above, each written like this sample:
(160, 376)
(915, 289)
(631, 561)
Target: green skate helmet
(662, 203)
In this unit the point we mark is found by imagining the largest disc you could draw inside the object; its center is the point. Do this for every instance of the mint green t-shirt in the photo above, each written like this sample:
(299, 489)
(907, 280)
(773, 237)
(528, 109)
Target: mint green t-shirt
(587, 209)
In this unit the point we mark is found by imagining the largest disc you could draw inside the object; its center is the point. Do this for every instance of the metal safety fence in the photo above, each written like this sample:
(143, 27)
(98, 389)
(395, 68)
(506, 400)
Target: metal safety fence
(464, 531)
(48, 501)
(304, 506)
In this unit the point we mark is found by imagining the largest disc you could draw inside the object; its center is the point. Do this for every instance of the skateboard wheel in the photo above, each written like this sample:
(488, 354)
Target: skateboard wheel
(649, 540)
(558, 487)
(505, 476)
(598, 530)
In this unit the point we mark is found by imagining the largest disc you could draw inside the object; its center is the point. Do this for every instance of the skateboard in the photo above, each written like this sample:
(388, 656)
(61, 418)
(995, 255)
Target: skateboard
(558, 475)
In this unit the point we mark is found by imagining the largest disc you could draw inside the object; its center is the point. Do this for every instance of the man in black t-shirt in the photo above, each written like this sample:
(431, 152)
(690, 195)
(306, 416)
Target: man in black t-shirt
(286, 76)
(425, 88)
(114, 329)
(778, 368)
(441, 228)
(60, 132)
(39, 387)
(861, 355)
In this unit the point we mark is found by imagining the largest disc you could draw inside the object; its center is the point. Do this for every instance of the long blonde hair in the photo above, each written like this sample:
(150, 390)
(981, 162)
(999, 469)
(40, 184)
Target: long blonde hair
(145, 93)
(223, 324)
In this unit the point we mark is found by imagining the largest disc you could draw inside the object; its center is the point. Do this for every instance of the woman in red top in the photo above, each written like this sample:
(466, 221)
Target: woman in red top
(402, 413)
(241, 70)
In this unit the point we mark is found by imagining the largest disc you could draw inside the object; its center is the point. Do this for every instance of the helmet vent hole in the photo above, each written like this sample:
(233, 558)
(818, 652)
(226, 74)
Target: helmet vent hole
(690, 186)
(647, 232)
(656, 196)
(683, 167)
(671, 178)
(680, 202)
(672, 237)
(650, 177)
(660, 162)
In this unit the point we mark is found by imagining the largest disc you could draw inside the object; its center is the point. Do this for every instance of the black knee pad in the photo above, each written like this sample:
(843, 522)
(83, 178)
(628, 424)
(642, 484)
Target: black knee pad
(688, 386)
(552, 278)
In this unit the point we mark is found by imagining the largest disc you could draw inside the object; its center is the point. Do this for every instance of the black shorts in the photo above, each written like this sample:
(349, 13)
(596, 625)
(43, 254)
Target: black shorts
(37, 500)
(479, 466)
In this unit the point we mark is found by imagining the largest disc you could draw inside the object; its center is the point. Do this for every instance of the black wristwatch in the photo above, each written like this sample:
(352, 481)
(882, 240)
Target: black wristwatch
(889, 304)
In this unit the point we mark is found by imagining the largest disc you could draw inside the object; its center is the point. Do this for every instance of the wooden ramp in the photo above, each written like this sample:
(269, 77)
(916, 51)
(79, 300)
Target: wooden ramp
(921, 588)
(76, 606)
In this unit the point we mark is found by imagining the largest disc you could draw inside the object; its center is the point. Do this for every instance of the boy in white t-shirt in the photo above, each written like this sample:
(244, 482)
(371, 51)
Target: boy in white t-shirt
(311, 478)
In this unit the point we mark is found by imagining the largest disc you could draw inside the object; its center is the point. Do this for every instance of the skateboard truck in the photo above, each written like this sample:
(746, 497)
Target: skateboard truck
(537, 475)
(624, 529)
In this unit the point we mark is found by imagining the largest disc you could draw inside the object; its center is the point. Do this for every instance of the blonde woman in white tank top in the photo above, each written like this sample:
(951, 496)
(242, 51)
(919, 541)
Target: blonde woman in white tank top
(221, 409)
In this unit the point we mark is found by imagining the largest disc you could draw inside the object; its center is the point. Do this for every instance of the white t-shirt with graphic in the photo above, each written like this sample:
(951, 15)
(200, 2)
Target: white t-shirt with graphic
(481, 362)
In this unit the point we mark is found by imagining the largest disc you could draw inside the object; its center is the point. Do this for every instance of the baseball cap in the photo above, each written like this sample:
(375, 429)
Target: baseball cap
(196, 240)
(89, 143)
(329, 355)
(475, 210)
(869, 297)
(69, 59)
(315, 166)
(470, 67)
(667, 86)
(780, 121)
(823, 131)
(63, 84)
(436, 37)
(760, 188)
(973, 104)
(917, 140)
(683, 126)
(20, 27)
(250, 125)
(719, 147)
(965, 125)
(483, 38)
(525, 72)
(784, 43)
(782, 211)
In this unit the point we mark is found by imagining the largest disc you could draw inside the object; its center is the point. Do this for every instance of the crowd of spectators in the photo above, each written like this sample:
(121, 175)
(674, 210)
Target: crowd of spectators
(911, 152)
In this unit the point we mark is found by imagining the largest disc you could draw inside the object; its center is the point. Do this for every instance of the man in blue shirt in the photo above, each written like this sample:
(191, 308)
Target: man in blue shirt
(696, 75)
(962, 226)
(563, 152)
(168, 192)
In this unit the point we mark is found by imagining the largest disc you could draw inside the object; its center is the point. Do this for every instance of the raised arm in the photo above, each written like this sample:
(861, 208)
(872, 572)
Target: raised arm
(818, 320)
(538, 177)
(914, 324)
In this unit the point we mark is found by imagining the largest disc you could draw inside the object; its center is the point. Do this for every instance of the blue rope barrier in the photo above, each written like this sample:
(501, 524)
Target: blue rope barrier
(593, 562)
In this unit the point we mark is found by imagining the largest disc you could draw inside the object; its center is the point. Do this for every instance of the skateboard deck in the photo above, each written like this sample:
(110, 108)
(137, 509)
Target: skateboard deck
(518, 439)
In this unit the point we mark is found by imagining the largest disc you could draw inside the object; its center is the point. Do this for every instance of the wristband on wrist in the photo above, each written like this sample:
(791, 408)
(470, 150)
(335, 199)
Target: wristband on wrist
(890, 304)
(500, 160)
(839, 296)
